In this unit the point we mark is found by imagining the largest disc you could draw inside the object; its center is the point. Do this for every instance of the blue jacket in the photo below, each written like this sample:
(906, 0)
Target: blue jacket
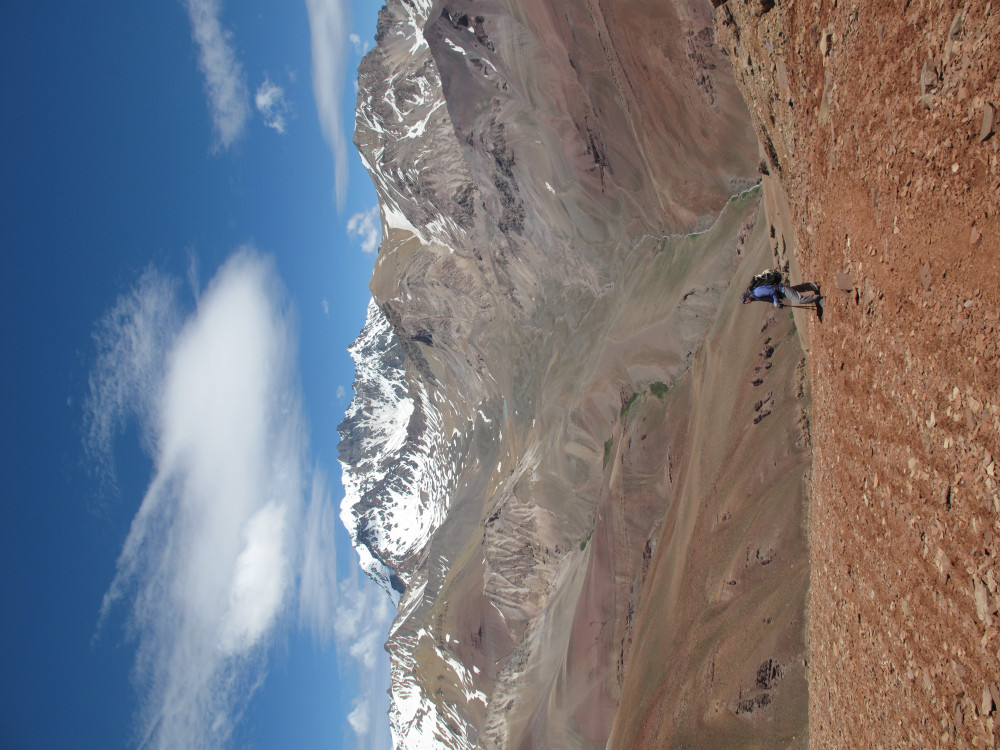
(767, 293)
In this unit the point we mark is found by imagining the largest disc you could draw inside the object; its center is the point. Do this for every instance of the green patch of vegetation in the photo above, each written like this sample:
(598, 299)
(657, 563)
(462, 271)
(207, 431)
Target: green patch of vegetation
(659, 389)
(583, 544)
(628, 404)
(607, 450)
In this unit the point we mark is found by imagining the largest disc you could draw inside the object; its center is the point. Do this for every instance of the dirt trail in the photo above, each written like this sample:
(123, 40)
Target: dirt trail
(875, 118)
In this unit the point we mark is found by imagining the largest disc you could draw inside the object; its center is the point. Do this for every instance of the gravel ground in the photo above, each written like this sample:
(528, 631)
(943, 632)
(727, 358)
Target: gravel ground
(876, 120)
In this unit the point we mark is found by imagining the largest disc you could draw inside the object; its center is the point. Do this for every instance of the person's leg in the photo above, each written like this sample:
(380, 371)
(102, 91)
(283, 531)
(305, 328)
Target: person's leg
(795, 295)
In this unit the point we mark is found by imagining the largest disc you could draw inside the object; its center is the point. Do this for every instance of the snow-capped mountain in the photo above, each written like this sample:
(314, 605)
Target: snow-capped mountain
(392, 501)
(520, 179)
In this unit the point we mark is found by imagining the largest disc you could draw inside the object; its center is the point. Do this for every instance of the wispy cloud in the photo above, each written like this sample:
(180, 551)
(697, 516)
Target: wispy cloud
(354, 611)
(132, 340)
(341, 392)
(360, 718)
(208, 561)
(318, 587)
(328, 23)
(364, 226)
(225, 83)
(225, 533)
(359, 46)
(272, 105)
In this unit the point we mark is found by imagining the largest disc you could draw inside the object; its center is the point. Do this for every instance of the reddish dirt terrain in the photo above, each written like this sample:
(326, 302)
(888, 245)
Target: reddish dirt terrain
(877, 122)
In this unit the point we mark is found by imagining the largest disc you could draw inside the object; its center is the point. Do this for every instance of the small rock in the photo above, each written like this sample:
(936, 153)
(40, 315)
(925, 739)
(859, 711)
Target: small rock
(825, 42)
(987, 705)
(982, 597)
(975, 236)
(844, 282)
(943, 564)
(955, 31)
(925, 275)
(989, 113)
(928, 78)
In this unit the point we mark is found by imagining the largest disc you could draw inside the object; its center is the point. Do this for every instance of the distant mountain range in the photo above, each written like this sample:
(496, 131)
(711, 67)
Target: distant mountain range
(566, 196)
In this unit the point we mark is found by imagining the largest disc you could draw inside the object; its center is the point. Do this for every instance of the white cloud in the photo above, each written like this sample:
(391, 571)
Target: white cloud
(225, 82)
(341, 392)
(225, 540)
(208, 561)
(355, 612)
(328, 22)
(132, 340)
(326, 306)
(363, 615)
(359, 46)
(272, 105)
(259, 582)
(365, 227)
(360, 718)
(318, 586)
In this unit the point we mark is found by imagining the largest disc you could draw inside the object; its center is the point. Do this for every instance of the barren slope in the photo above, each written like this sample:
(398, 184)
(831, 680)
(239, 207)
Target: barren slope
(542, 307)
(872, 119)
(718, 654)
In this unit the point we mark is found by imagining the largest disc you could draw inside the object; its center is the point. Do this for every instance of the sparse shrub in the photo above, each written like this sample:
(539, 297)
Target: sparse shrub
(628, 404)
(659, 389)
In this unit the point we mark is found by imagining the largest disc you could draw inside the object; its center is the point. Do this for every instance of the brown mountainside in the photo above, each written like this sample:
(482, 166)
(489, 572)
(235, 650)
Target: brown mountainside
(656, 517)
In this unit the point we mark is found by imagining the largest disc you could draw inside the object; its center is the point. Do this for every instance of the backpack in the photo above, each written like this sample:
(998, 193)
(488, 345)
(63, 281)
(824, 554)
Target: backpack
(765, 278)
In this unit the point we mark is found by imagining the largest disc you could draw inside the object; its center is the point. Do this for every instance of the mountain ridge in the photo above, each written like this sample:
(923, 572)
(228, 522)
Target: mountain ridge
(554, 249)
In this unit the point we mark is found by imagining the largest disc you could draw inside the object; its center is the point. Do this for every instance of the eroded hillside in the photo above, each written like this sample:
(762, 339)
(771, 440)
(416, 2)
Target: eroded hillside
(578, 462)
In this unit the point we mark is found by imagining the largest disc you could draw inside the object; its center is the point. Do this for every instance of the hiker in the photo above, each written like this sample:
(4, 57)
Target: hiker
(767, 287)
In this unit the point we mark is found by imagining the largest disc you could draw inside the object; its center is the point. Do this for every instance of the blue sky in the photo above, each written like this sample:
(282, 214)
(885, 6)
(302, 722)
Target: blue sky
(187, 238)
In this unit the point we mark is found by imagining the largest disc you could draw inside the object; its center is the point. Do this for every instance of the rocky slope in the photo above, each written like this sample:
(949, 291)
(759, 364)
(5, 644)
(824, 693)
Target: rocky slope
(569, 444)
(878, 122)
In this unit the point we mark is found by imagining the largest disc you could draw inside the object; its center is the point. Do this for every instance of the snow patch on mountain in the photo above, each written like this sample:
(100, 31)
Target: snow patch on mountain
(415, 720)
(396, 492)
